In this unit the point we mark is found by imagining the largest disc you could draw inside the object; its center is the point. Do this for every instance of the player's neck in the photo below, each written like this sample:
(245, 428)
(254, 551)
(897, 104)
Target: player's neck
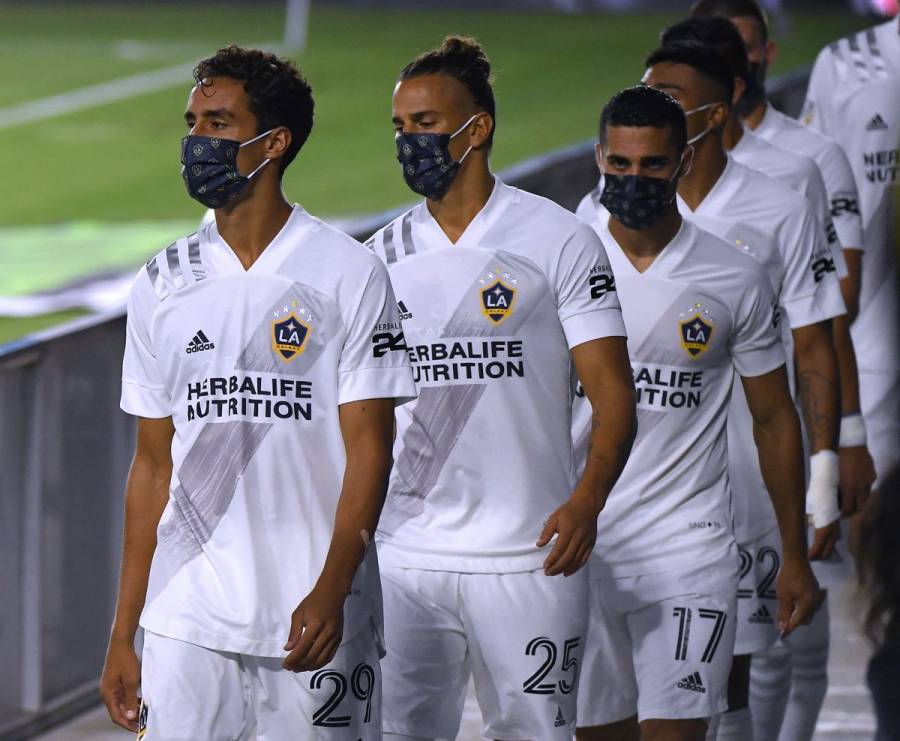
(732, 132)
(249, 225)
(756, 116)
(708, 165)
(468, 194)
(642, 246)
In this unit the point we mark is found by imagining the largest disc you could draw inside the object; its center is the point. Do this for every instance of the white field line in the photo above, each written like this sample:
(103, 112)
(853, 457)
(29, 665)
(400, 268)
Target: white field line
(101, 94)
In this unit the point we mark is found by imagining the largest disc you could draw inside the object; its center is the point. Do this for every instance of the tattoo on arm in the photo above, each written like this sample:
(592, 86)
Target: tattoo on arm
(818, 395)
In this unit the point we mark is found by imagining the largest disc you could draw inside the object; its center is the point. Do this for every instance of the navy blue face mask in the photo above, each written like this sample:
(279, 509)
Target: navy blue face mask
(428, 167)
(638, 201)
(209, 168)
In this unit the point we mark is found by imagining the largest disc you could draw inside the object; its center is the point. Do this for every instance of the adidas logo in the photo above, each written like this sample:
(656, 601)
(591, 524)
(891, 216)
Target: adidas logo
(876, 124)
(560, 719)
(693, 683)
(404, 312)
(762, 615)
(199, 343)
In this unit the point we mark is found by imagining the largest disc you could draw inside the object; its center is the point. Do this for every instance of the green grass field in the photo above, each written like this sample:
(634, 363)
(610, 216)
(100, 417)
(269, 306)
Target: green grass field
(118, 163)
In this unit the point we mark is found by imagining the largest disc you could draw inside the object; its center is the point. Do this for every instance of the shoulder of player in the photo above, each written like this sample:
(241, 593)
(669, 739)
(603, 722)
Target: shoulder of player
(164, 273)
(342, 249)
(383, 243)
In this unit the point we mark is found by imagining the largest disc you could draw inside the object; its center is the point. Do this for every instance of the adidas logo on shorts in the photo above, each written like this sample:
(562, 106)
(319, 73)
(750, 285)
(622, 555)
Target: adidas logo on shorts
(693, 683)
(199, 343)
(876, 124)
(762, 615)
(560, 719)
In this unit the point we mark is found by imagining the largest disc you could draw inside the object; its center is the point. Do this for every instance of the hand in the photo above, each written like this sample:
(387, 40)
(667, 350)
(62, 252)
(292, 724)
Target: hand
(824, 540)
(798, 595)
(856, 475)
(119, 683)
(317, 626)
(576, 525)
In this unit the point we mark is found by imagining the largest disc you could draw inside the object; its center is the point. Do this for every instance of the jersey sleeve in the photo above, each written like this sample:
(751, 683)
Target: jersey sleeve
(374, 363)
(817, 194)
(757, 347)
(810, 292)
(843, 198)
(587, 302)
(144, 391)
(814, 113)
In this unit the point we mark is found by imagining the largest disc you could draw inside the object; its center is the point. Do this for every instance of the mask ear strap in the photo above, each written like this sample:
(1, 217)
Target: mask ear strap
(471, 118)
(258, 137)
(261, 166)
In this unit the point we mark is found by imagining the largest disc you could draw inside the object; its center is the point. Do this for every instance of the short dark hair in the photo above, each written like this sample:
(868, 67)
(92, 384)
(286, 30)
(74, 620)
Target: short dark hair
(715, 31)
(277, 92)
(463, 59)
(640, 106)
(734, 9)
(706, 60)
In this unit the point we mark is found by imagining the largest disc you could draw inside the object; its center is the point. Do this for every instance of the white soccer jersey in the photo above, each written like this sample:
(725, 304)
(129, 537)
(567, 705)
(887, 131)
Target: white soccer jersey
(786, 133)
(251, 365)
(774, 225)
(484, 455)
(801, 174)
(699, 312)
(854, 97)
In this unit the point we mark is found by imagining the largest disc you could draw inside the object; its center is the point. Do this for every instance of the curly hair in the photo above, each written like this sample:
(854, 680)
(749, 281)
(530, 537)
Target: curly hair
(277, 92)
(878, 560)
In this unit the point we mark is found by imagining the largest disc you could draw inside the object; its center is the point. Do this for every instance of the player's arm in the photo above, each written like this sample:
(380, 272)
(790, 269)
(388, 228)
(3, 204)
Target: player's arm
(776, 430)
(605, 374)
(146, 495)
(818, 389)
(367, 427)
(856, 470)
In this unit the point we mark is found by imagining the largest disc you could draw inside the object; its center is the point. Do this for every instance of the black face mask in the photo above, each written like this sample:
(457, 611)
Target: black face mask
(756, 88)
(428, 167)
(638, 201)
(209, 168)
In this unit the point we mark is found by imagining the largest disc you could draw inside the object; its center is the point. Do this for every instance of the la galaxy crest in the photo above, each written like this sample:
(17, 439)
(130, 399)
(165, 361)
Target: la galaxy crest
(497, 295)
(289, 336)
(695, 328)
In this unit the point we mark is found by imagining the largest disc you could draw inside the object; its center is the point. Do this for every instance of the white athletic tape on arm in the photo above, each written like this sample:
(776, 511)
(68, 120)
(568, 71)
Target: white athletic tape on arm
(853, 431)
(821, 495)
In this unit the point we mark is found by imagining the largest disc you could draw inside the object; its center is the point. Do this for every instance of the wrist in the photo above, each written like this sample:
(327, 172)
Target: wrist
(853, 431)
(821, 493)
(593, 500)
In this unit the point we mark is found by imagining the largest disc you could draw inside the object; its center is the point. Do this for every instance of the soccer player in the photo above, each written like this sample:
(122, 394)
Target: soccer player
(500, 293)
(777, 226)
(265, 409)
(664, 573)
(854, 97)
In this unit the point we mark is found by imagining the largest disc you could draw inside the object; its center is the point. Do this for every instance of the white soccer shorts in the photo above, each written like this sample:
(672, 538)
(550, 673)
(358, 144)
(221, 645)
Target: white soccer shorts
(519, 635)
(659, 646)
(190, 692)
(757, 605)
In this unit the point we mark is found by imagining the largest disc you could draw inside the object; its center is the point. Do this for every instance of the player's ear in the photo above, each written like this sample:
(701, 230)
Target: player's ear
(277, 144)
(718, 115)
(598, 155)
(480, 129)
(771, 53)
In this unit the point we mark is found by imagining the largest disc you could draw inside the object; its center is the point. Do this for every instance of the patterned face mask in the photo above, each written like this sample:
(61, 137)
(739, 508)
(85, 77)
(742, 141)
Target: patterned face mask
(427, 165)
(638, 201)
(209, 168)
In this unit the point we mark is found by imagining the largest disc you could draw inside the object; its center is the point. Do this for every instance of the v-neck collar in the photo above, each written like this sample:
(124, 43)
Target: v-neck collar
(471, 236)
(663, 262)
(271, 256)
(718, 186)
